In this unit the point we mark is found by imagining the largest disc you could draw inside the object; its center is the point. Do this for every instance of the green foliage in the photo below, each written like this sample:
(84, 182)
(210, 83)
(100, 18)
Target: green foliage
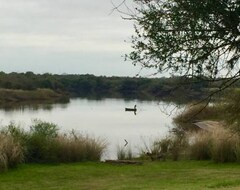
(44, 129)
(58, 87)
(41, 146)
(191, 38)
(44, 144)
(13, 95)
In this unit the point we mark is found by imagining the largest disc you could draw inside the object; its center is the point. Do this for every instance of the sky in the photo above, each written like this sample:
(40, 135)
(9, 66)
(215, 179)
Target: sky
(64, 36)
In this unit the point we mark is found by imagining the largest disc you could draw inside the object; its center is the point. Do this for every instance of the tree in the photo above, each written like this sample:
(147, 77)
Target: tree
(188, 37)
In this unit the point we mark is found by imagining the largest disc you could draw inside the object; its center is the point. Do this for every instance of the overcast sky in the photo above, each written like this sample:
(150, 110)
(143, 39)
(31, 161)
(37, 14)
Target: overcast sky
(64, 36)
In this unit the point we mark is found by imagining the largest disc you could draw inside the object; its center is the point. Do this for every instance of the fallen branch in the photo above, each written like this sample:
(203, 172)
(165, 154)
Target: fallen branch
(124, 162)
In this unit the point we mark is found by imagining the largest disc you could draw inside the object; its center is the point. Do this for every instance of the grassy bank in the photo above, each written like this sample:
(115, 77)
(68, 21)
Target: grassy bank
(151, 175)
(11, 95)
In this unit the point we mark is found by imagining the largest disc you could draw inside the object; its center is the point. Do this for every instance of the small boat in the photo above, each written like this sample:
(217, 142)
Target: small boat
(132, 109)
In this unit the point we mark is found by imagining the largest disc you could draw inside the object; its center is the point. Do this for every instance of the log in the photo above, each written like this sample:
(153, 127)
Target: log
(124, 162)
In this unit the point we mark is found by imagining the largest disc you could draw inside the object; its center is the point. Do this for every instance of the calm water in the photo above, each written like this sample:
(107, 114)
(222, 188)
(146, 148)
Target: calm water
(101, 118)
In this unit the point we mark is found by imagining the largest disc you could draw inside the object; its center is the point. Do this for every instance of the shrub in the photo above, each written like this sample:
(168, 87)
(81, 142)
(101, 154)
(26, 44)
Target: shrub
(43, 143)
(46, 144)
(41, 146)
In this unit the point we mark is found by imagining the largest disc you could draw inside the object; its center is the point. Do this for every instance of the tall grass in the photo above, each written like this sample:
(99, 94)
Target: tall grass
(219, 145)
(78, 147)
(124, 153)
(224, 145)
(11, 152)
(200, 145)
(195, 113)
(170, 147)
(44, 144)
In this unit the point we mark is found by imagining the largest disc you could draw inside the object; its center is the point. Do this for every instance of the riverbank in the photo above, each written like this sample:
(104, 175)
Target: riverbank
(8, 96)
(169, 175)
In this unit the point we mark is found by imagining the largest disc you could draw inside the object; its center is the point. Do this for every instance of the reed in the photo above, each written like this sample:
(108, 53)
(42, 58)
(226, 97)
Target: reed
(43, 143)
(124, 153)
(219, 145)
(11, 152)
(79, 147)
(224, 145)
(195, 113)
(200, 145)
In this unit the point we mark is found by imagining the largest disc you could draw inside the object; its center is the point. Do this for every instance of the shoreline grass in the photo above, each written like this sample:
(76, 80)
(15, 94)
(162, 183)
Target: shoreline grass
(43, 143)
(16, 95)
(195, 175)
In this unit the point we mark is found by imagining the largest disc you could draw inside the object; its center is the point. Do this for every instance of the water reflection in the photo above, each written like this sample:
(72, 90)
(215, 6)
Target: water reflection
(104, 118)
(33, 106)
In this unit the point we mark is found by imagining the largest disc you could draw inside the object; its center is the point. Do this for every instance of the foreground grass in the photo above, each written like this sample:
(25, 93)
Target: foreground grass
(151, 175)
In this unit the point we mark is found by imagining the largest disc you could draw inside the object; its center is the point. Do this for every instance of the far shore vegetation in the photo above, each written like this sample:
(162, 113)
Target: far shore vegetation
(38, 87)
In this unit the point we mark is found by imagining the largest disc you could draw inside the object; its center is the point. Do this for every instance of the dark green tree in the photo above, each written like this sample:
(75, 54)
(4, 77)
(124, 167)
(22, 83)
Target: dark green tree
(188, 37)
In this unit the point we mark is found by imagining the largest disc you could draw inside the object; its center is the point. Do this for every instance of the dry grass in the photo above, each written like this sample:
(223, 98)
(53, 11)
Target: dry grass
(75, 148)
(192, 114)
(220, 145)
(124, 153)
(11, 152)
(200, 145)
(224, 145)
(44, 144)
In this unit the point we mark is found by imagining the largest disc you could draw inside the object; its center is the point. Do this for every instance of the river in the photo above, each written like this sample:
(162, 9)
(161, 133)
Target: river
(105, 118)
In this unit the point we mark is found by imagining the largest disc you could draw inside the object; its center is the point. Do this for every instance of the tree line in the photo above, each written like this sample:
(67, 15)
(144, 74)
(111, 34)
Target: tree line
(102, 86)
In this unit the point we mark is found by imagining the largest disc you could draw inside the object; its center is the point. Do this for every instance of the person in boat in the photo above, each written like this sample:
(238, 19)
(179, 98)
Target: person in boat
(132, 109)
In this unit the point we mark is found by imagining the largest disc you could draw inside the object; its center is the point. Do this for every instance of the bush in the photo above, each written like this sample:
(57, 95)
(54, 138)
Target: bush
(44, 144)
(41, 145)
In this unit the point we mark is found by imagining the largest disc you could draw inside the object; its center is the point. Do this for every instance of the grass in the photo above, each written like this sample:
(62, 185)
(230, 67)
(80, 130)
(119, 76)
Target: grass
(11, 152)
(98, 176)
(12, 95)
(44, 144)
